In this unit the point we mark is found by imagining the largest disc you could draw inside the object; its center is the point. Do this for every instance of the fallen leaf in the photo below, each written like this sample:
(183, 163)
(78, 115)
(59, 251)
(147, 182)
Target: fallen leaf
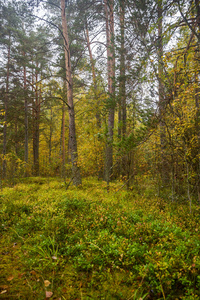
(4, 287)
(20, 275)
(10, 278)
(48, 294)
(3, 292)
(33, 272)
(47, 283)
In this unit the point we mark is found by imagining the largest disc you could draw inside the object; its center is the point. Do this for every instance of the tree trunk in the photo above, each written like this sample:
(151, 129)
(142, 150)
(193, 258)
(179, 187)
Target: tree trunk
(50, 134)
(25, 123)
(108, 5)
(197, 119)
(16, 138)
(164, 164)
(36, 120)
(6, 111)
(122, 88)
(63, 141)
(72, 130)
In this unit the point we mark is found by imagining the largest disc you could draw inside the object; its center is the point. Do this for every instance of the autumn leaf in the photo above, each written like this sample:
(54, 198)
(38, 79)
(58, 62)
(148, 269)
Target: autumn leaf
(4, 287)
(33, 272)
(10, 278)
(20, 275)
(48, 294)
(47, 283)
(3, 292)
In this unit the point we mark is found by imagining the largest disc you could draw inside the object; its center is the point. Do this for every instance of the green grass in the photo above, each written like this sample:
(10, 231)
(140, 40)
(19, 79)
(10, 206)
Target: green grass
(86, 243)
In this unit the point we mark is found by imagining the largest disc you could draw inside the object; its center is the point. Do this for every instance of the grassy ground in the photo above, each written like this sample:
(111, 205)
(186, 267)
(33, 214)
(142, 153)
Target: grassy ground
(86, 243)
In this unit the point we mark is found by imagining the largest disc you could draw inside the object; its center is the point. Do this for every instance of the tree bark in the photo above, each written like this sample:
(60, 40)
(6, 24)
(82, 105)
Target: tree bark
(6, 111)
(36, 127)
(25, 123)
(72, 129)
(108, 6)
(50, 134)
(63, 141)
(122, 88)
(16, 138)
(164, 164)
(197, 119)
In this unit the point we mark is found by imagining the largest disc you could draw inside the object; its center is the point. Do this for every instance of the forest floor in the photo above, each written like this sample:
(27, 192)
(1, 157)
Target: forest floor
(88, 243)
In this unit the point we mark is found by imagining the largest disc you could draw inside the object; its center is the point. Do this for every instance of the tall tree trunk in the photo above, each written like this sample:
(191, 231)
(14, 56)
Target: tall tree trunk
(16, 138)
(164, 165)
(36, 129)
(25, 123)
(72, 129)
(197, 119)
(63, 141)
(6, 110)
(50, 134)
(108, 6)
(122, 88)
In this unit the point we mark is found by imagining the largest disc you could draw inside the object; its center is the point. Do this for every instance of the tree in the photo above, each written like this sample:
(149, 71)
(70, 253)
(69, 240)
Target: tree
(122, 114)
(109, 15)
(161, 95)
(72, 130)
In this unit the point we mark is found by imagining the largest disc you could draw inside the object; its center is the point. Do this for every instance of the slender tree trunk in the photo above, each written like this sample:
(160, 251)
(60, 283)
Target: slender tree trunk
(6, 111)
(122, 87)
(16, 138)
(108, 5)
(50, 134)
(197, 125)
(197, 92)
(72, 130)
(63, 141)
(164, 164)
(36, 129)
(25, 123)
(188, 183)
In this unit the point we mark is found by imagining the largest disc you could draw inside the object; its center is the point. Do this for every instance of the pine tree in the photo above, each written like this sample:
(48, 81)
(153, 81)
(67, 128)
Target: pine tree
(72, 130)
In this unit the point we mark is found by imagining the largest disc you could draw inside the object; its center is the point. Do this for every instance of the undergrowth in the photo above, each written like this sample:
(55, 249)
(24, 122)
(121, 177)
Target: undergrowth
(86, 243)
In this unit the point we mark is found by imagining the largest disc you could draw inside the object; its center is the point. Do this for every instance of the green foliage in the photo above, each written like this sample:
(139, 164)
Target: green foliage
(87, 242)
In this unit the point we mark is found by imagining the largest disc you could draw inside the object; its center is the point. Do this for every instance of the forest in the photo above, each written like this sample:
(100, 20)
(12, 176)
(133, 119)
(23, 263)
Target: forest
(99, 149)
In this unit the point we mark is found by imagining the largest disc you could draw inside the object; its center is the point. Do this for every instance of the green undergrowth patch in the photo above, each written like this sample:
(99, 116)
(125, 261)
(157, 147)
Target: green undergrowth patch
(88, 243)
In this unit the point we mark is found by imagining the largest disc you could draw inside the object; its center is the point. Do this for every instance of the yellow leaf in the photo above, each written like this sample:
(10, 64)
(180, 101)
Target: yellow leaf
(3, 292)
(47, 283)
